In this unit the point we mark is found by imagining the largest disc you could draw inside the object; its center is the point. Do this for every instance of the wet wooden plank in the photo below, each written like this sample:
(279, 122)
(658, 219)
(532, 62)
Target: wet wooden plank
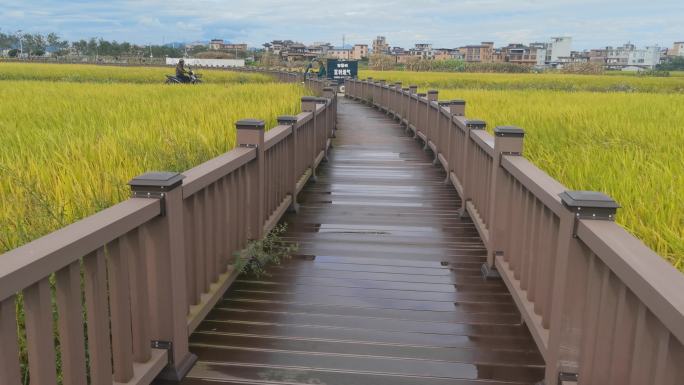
(385, 287)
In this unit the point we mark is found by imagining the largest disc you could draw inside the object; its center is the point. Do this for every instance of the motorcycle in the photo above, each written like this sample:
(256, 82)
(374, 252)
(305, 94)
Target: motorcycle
(193, 79)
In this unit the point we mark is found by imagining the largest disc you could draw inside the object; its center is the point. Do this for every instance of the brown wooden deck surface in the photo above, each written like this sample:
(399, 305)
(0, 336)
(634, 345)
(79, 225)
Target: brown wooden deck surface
(386, 289)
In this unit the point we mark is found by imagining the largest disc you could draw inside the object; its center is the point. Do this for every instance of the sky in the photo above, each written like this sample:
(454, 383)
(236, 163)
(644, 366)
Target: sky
(445, 24)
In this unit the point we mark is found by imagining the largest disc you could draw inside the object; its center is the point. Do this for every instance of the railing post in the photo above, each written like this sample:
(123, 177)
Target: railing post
(329, 93)
(508, 140)
(378, 95)
(403, 111)
(288, 120)
(464, 155)
(165, 251)
(309, 105)
(324, 122)
(420, 114)
(396, 98)
(250, 133)
(432, 96)
(566, 319)
(450, 151)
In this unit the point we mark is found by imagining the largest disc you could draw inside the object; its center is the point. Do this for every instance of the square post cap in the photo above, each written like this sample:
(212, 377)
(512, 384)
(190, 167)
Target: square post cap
(476, 124)
(405, 89)
(432, 92)
(328, 89)
(369, 78)
(509, 132)
(413, 86)
(250, 124)
(309, 99)
(454, 102)
(287, 119)
(156, 181)
(590, 204)
(397, 84)
(321, 100)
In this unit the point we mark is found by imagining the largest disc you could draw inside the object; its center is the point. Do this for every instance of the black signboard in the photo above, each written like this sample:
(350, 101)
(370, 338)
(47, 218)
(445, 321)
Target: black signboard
(342, 69)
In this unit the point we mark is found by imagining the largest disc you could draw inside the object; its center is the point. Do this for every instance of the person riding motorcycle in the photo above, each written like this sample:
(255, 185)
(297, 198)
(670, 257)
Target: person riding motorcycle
(181, 72)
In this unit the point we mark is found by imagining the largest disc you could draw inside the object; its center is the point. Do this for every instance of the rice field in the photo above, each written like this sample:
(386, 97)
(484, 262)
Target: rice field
(114, 74)
(532, 81)
(629, 145)
(68, 148)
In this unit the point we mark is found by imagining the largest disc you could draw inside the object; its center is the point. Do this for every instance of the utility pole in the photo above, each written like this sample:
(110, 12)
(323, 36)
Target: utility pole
(21, 43)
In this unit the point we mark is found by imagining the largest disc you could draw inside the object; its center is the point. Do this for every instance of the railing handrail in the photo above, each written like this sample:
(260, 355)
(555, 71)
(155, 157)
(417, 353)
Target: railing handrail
(27, 264)
(210, 171)
(539, 235)
(150, 270)
(659, 286)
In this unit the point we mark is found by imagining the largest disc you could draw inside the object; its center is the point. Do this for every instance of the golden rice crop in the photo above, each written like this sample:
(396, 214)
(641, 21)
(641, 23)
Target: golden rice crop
(628, 145)
(68, 149)
(532, 81)
(115, 74)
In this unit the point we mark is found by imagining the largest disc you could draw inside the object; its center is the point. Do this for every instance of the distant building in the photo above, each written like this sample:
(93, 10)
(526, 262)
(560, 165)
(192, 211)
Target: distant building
(481, 53)
(359, 51)
(216, 44)
(423, 50)
(517, 54)
(277, 46)
(220, 45)
(320, 48)
(380, 45)
(447, 53)
(628, 55)
(677, 49)
(559, 47)
(340, 53)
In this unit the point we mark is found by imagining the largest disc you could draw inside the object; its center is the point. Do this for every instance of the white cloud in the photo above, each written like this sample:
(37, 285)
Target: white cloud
(592, 23)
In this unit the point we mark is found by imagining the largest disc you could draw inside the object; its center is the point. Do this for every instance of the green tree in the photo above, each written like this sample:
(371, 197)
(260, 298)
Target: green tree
(56, 45)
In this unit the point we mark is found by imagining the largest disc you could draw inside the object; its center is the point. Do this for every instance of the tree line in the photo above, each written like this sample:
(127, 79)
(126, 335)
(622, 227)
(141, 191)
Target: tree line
(36, 44)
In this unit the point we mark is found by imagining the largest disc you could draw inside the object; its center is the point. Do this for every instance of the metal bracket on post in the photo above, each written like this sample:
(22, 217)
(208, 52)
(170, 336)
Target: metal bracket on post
(164, 345)
(490, 272)
(155, 185)
(565, 378)
(589, 205)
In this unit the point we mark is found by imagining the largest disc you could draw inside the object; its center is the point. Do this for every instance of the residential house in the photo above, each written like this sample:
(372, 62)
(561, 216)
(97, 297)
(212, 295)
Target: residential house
(359, 51)
(424, 50)
(481, 53)
(677, 49)
(380, 45)
(628, 55)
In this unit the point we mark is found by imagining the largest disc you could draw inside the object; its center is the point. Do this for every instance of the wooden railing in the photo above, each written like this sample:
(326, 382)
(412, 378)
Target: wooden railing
(142, 274)
(602, 307)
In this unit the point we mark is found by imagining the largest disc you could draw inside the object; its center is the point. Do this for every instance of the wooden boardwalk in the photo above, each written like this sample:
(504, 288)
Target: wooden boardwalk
(386, 289)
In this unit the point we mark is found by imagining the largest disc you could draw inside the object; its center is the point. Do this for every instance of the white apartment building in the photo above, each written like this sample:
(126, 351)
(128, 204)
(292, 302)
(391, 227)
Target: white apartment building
(559, 47)
(629, 55)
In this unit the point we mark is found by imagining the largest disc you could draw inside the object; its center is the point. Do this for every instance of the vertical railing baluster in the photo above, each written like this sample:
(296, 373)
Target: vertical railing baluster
(132, 245)
(39, 338)
(71, 343)
(120, 309)
(9, 354)
(99, 348)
